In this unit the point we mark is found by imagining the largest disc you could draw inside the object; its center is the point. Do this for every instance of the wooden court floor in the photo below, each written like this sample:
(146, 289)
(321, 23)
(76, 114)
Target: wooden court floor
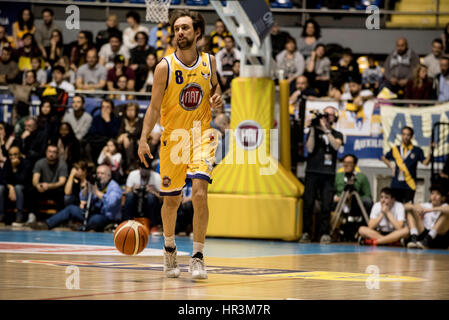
(49, 265)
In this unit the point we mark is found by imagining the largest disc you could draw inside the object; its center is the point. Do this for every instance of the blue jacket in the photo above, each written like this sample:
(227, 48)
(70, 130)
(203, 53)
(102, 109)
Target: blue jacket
(111, 204)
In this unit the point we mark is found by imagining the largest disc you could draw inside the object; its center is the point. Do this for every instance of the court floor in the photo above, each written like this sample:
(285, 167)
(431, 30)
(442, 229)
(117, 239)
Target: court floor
(58, 265)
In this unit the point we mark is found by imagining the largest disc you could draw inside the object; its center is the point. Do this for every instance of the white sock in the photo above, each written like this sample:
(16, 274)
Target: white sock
(197, 247)
(433, 233)
(414, 231)
(170, 241)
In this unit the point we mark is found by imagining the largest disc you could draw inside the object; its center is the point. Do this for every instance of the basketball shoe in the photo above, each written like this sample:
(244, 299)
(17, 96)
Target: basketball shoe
(171, 268)
(197, 267)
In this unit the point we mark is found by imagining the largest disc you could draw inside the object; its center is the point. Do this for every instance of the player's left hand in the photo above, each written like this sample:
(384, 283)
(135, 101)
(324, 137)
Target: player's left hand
(216, 101)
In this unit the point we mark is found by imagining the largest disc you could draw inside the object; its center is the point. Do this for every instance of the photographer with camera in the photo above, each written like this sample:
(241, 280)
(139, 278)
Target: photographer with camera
(350, 179)
(143, 202)
(349, 176)
(322, 145)
(100, 204)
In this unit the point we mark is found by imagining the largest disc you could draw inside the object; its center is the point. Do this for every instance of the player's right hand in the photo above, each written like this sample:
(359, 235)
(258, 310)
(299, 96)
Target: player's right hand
(144, 150)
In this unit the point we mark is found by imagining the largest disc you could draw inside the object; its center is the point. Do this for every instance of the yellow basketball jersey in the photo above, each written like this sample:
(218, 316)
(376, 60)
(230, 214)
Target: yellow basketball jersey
(187, 93)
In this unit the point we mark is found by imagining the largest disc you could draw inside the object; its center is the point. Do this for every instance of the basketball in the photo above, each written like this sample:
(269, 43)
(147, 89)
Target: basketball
(130, 237)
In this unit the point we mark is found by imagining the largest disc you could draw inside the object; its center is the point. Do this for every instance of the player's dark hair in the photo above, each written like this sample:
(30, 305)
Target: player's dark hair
(197, 18)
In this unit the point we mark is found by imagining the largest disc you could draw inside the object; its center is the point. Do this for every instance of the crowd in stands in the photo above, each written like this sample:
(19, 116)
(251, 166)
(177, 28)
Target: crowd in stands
(83, 168)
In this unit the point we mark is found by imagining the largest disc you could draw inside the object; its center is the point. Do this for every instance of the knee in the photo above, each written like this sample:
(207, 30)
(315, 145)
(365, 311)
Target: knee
(172, 202)
(199, 195)
(363, 230)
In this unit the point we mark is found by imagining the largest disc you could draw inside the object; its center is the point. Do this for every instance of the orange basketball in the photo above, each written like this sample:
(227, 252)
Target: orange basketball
(130, 237)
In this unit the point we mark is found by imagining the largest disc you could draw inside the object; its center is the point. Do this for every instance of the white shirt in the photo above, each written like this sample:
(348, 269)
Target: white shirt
(135, 179)
(108, 55)
(430, 218)
(385, 225)
(64, 85)
(129, 34)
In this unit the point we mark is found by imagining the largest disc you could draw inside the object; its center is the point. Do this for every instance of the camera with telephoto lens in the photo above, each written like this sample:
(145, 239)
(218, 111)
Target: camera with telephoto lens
(316, 117)
(140, 192)
(349, 180)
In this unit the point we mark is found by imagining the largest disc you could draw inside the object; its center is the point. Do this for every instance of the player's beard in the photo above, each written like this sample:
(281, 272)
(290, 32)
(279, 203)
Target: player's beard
(184, 45)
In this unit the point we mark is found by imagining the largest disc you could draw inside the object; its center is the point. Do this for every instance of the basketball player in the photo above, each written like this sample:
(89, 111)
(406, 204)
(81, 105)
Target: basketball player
(185, 89)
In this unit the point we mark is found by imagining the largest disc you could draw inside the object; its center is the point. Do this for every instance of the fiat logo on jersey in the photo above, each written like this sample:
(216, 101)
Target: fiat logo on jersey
(191, 96)
(249, 135)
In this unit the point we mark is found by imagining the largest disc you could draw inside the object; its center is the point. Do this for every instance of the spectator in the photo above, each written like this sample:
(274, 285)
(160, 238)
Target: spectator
(78, 118)
(291, 61)
(104, 127)
(4, 39)
(9, 70)
(138, 58)
(49, 177)
(27, 51)
(445, 39)
(441, 81)
(78, 54)
(322, 143)
(69, 74)
(77, 179)
(55, 50)
(143, 200)
(121, 87)
(387, 221)
(303, 90)
(421, 222)
(47, 120)
(351, 174)
(41, 74)
(6, 140)
(372, 76)
(23, 25)
(278, 39)
(120, 69)
(235, 74)
(216, 40)
(399, 67)
(311, 34)
(112, 28)
(111, 156)
(60, 82)
(346, 69)
(16, 172)
(129, 134)
(432, 60)
(105, 207)
(68, 144)
(355, 99)
(225, 59)
(318, 68)
(438, 236)
(32, 142)
(133, 19)
(111, 50)
(406, 157)
(44, 31)
(420, 87)
(148, 78)
(91, 75)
